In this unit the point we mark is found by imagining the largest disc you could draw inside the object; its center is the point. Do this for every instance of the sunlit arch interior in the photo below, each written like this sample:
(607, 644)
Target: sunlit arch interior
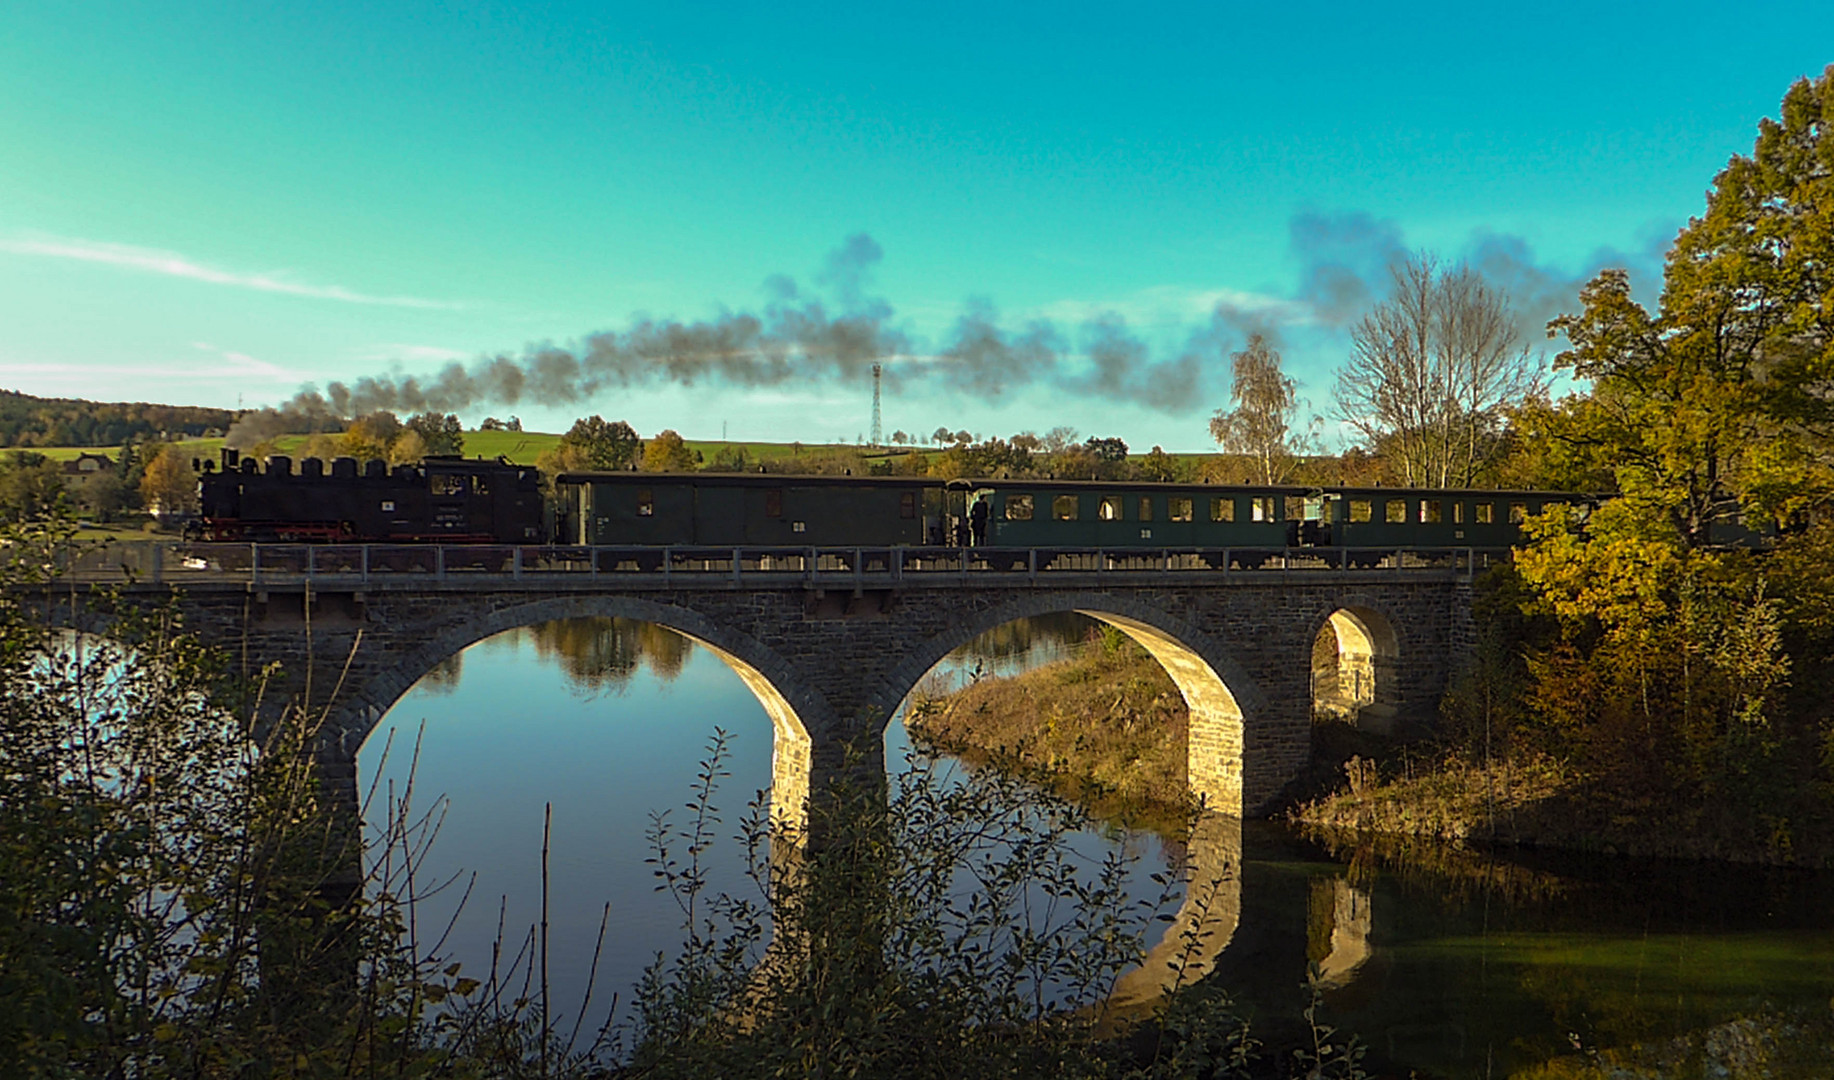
(1353, 668)
(1214, 735)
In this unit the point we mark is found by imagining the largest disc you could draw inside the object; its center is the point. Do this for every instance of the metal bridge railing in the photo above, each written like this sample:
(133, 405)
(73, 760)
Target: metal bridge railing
(371, 565)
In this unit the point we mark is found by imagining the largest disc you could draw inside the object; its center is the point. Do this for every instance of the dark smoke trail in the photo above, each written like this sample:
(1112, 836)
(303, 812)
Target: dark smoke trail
(840, 331)
(798, 337)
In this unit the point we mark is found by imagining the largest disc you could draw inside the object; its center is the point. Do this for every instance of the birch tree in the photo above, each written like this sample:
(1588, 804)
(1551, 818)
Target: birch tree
(1260, 426)
(1431, 370)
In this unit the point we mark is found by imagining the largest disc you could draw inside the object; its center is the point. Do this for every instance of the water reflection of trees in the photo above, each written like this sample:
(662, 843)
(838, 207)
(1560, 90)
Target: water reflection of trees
(1452, 875)
(605, 653)
(1057, 631)
(444, 676)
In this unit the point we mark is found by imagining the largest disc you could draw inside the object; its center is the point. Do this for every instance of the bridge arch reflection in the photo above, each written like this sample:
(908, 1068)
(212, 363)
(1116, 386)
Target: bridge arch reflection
(790, 706)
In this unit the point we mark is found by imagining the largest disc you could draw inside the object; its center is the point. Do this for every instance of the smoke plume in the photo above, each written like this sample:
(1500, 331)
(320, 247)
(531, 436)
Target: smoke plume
(841, 328)
(1345, 262)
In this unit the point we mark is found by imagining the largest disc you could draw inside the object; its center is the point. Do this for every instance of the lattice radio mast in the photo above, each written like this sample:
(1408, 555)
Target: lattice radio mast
(878, 432)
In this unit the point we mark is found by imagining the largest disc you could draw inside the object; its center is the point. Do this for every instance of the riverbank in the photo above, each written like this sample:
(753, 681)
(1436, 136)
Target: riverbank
(1106, 727)
(1541, 802)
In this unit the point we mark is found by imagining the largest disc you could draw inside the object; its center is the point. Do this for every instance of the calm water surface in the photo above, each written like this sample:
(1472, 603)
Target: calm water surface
(1440, 960)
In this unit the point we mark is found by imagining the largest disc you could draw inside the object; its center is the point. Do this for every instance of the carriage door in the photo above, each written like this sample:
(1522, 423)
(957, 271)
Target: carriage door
(1315, 530)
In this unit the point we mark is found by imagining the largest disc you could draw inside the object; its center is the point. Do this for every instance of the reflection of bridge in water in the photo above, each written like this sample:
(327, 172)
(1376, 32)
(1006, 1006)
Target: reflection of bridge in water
(1276, 934)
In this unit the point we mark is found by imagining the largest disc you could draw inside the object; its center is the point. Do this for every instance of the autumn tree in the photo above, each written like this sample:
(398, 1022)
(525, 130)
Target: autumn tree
(408, 448)
(667, 452)
(1717, 405)
(1260, 425)
(593, 444)
(1109, 449)
(1431, 371)
(1159, 465)
(369, 437)
(1677, 658)
(168, 486)
(31, 485)
(440, 434)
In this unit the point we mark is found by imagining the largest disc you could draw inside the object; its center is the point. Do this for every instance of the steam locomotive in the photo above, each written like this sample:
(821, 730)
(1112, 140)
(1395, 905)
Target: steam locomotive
(444, 500)
(451, 500)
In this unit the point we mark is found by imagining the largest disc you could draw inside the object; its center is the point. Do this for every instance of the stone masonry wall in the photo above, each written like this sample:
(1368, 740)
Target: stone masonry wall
(840, 665)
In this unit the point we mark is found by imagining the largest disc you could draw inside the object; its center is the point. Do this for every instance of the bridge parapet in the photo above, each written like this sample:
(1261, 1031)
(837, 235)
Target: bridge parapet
(423, 566)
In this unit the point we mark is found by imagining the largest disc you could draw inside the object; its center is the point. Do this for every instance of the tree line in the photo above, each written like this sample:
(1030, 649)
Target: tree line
(27, 421)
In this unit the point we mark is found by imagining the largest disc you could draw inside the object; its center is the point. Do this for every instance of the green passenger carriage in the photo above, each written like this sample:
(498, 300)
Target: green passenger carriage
(774, 510)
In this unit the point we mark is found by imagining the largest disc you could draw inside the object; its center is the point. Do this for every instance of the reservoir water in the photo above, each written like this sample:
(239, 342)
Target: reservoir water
(1443, 961)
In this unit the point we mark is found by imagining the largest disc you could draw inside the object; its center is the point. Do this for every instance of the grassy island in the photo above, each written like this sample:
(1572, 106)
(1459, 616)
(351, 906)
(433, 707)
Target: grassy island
(1105, 726)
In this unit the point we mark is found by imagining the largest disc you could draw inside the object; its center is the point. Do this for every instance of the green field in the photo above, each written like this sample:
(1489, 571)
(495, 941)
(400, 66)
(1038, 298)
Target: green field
(521, 447)
(524, 447)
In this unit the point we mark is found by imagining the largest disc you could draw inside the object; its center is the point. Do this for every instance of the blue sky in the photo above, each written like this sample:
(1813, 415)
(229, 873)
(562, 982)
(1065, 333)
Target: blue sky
(221, 203)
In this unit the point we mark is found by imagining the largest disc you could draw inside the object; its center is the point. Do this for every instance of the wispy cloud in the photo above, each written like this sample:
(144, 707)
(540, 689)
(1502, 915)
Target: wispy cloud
(226, 363)
(172, 264)
(424, 354)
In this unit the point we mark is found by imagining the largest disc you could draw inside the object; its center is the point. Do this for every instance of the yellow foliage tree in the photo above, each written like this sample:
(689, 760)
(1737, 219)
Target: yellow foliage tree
(667, 452)
(168, 486)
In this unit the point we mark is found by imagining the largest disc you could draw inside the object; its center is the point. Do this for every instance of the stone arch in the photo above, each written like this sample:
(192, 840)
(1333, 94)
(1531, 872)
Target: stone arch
(1222, 699)
(795, 710)
(1358, 681)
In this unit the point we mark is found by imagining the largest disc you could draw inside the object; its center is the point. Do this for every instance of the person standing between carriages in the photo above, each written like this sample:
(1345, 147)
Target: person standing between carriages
(977, 520)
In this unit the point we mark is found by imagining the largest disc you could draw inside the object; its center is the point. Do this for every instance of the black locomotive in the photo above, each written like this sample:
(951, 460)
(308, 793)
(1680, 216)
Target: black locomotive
(445, 499)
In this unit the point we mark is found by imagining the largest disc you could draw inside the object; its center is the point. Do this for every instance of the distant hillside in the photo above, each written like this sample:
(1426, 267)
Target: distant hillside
(34, 421)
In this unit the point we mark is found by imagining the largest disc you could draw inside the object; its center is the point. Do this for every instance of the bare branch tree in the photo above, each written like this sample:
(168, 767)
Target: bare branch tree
(1260, 425)
(1431, 370)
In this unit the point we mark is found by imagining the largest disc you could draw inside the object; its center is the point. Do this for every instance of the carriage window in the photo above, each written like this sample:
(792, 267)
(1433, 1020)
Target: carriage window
(773, 503)
(1063, 508)
(1295, 508)
(1262, 507)
(1394, 511)
(1110, 509)
(1361, 510)
(1483, 513)
(1518, 513)
(1430, 511)
(1458, 512)
(1018, 508)
(446, 484)
(1222, 509)
(907, 504)
(1146, 508)
(1178, 509)
(646, 502)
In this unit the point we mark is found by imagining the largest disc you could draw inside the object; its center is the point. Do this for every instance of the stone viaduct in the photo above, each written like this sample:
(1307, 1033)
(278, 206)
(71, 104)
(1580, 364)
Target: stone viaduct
(832, 655)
